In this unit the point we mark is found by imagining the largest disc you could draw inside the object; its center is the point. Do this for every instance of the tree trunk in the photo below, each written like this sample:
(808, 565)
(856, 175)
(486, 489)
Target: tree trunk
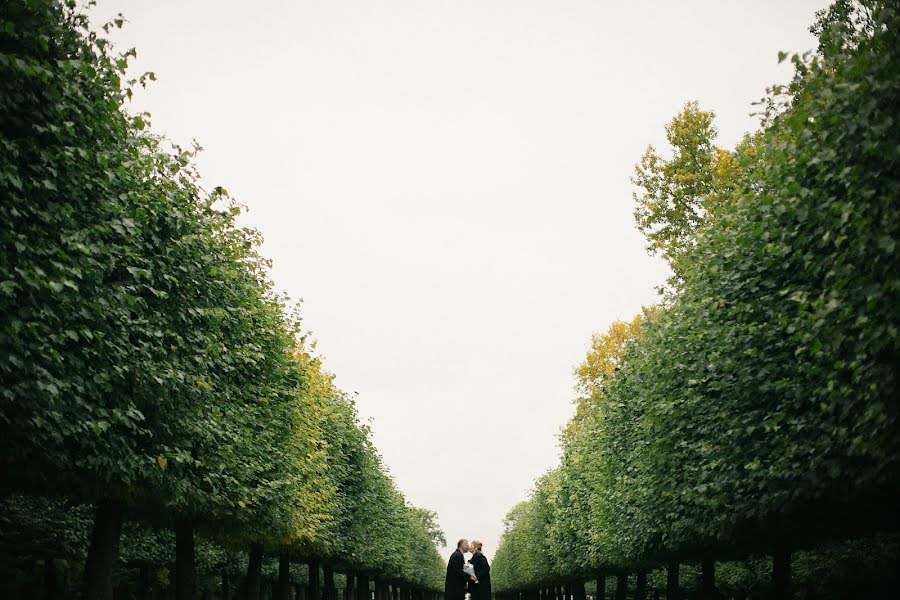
(330, 590)
(601, 585)
(781, 573)
(121, 591)
(184, 559)
(672, 581)
(144, 582)
(362, 587)
(102, 552)
(226, 588)
(284, 577)
(578, 590)
(708, 579)
(254, 572)
(315, 591)
(154, 586)
(348, 589)
(621, 586)
(51, 580)
(640, 592)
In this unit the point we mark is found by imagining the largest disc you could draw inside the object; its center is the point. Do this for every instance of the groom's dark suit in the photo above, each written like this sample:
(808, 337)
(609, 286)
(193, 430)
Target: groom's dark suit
(455, 583)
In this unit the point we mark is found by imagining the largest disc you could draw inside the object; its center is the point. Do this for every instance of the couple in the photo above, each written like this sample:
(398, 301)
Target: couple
(476, 574)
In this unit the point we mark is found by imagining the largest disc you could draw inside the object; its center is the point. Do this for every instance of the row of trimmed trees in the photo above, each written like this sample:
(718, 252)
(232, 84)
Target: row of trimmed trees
(750, 420)
(153, 382)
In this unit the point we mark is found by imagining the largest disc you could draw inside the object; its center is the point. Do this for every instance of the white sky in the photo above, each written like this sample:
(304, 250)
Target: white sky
(446, 185)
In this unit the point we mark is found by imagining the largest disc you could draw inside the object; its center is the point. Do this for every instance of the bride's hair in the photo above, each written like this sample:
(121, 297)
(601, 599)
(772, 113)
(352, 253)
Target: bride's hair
(476, 545)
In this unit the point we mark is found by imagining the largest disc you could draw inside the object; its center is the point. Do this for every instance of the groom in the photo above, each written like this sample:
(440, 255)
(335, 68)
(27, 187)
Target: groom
(455, 583)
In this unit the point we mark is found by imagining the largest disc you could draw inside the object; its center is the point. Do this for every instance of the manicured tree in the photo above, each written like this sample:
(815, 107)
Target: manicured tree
(587, 486)
(353, 468)
(545, 519)
(420, 565)
(149, 331)
(769, 385)
(519, 563)
(507, 559)
(578, 546)
(679, 198)
(369, 528)
(81, 356)
(760, 403)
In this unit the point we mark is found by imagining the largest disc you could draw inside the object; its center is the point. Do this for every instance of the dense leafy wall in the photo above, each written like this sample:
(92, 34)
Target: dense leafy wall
(151, 375)
(755, 411)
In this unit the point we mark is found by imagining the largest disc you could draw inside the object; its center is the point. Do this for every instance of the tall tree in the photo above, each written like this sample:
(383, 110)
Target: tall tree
(676, 195)
(429, 520)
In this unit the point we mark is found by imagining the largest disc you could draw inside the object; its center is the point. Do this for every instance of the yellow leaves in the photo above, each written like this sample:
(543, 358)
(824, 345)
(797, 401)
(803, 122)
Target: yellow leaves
(676, 197)
(601, 362)
(202, 384)
(723, 163)
(162, 462)
(604, 356)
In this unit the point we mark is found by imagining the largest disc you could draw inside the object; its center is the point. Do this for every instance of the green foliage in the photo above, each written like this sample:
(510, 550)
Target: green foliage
(144, 342)
(758, 409)
(772, 378)
(519, 561)
(370, 527)
(429, 520)
(147, 359)
(680, 196)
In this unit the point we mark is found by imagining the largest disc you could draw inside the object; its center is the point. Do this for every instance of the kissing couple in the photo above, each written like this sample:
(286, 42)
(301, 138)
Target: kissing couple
(472, 576)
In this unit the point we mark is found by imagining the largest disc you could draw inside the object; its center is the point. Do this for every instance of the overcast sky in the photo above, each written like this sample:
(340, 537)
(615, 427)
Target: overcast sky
(446, 186)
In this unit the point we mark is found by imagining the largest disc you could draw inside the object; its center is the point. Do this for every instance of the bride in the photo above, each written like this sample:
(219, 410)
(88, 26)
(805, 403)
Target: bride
(480, 589)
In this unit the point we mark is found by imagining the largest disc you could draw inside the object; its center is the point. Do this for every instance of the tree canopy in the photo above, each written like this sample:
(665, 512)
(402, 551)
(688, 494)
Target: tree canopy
(755, 410)
(152, 376)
